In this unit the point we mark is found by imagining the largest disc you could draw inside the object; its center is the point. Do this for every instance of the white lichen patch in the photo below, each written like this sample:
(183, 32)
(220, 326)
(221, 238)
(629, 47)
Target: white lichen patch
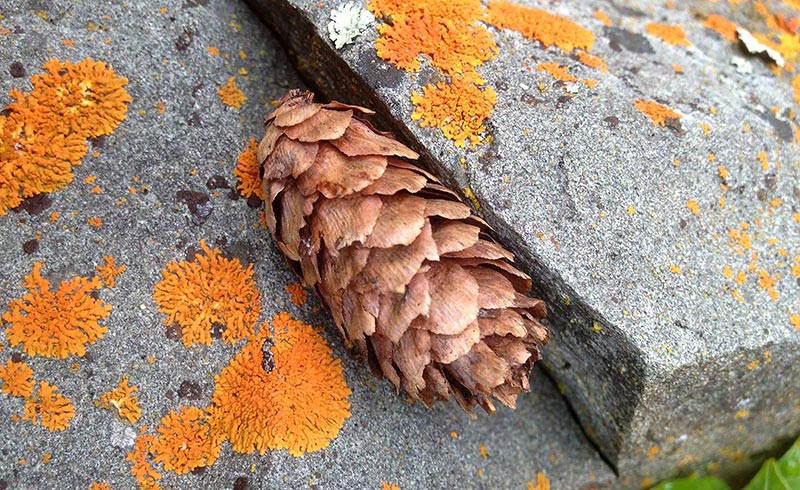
(348, 21)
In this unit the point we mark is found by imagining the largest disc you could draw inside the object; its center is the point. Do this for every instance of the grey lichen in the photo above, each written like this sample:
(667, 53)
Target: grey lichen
(347, 22)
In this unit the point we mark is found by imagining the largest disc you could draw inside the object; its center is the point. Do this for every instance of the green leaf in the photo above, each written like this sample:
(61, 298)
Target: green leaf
(769, 478)
(789, 463)
(705, 483)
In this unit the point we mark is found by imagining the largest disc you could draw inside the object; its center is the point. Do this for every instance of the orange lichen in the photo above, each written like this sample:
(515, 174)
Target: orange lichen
(56, 323)
(542, 482)
(87, 96)
(44, 132)
(109, 271)
(669, 34)
(270, 397)
(16, 379)
(549, 29)
(247, 172)
(213, 50)
(184, 441)
(722, 26)
(99, 486)
(48, 408)
(447, 32)
(796, 88)
(693, 206)
(657, 113)
(123, 402)
(210, 289)
(142, 469)
(557, 71)
(602, 17)
(458, 109)
(230, 95)
(389, 486)
(762, 158)
(297, 294)
(794, 320)
(592, 61)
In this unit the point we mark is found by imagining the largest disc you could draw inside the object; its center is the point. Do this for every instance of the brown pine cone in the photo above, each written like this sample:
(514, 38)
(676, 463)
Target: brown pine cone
(410, 274)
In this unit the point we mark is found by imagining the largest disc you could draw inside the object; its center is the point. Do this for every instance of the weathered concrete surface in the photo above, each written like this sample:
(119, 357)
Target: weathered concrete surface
(197, 138)
(667, 371)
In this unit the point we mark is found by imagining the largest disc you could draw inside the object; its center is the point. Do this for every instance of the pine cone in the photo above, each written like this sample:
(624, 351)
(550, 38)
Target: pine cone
(410, 274)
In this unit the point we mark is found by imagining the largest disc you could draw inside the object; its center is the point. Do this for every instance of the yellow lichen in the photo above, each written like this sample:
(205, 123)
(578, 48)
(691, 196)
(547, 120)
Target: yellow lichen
(56, 323)
(210, 289)
(247, 172)
(549, 29)
(669, 34)
(48, 408)
(16, 379)
(458, 108)
(657, 113)
(693, 206)
(271, 397)
(230, 95)
(123, 402)
(184, 441)
(109, 271)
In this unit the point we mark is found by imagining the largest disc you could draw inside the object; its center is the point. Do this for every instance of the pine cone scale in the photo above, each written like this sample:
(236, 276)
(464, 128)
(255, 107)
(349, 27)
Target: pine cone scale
(412, 278)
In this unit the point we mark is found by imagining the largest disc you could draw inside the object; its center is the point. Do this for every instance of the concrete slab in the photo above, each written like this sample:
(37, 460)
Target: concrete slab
(673, 361)
(163, 49)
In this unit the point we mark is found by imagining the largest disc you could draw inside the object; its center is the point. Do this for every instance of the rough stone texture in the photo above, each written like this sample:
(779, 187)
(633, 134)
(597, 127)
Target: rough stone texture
(666, 370)
(195, 141)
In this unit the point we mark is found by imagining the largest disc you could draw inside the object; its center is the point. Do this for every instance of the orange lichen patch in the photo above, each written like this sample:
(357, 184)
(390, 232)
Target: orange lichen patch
(389, 486)
(669, 34)
(213, 50)
(247, 172)
(693, 206)
(677, 68)
(123, 402)
(56, 323)
(592, 61)
(16, 379)
(706, 128)
(297, 294)
(768, 283)
(762, 157)
(87, 96)
(184, 441)
(48, 408)
(796, 88)
(722, 26)
(270, 397)
(99, 486)
(542, 482)
(95, 221)
(210, 289)
(109, 271)
(657, 113)
(549, 29)
(230, 95)
(43, 136)
(557, 71)
(602, 17)
(458, 109)
(447, 32)
(142, 469)
(794, 320)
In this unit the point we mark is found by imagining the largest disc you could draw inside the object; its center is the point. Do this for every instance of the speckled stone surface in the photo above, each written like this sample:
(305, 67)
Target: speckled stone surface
(162, 48)
(670, 365)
